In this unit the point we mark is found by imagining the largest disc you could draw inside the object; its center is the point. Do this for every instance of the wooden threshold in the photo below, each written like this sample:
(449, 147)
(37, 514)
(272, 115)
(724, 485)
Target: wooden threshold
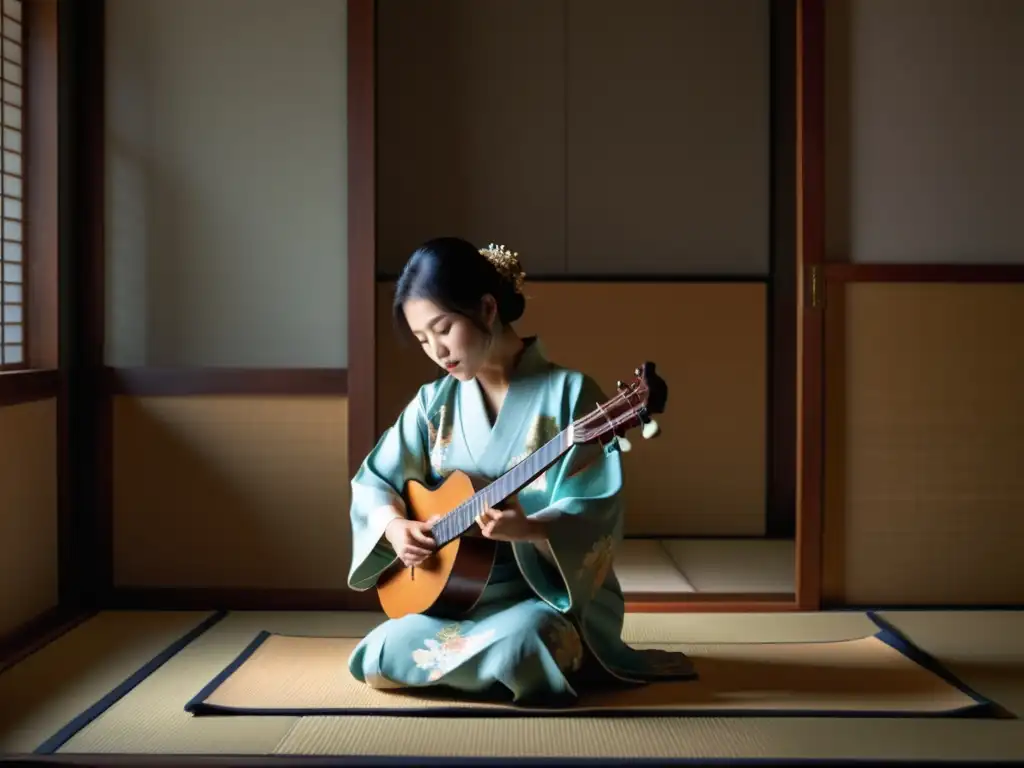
(710, 602)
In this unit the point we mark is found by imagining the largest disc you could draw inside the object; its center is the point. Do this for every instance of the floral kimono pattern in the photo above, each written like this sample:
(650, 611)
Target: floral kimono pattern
(546, 608)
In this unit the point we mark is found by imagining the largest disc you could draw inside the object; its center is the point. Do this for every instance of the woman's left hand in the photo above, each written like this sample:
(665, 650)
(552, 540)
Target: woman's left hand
(509, 524)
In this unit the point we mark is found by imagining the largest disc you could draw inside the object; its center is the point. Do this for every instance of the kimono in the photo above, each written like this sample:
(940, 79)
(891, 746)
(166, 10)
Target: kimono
(551, 616)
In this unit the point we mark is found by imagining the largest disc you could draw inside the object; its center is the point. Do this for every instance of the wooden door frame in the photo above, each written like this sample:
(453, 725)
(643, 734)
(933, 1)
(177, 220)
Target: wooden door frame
(810, 256)
(362, 235)
(809, 321)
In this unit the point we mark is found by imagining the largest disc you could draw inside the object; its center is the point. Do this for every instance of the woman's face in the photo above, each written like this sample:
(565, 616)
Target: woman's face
(449, 339)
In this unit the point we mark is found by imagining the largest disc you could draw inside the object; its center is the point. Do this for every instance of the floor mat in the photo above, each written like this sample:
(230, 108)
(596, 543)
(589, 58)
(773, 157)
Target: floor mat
(51, 693)
(882, 675)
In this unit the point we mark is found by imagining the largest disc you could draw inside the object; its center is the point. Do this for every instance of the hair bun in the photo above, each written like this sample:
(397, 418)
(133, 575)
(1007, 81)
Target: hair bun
(507, 264)
(511, 307)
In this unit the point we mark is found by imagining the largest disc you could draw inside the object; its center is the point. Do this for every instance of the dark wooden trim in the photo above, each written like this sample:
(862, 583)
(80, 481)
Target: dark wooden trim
(711, 603)
(836, 272)
(18, 387)
(810, 23)
(177, 382)
(84, 458)
(362, 223)
(780, 512)
(241, 599)
(95, 182)
(40, 631)
(40, 171)
(705, 598)
(676, 536)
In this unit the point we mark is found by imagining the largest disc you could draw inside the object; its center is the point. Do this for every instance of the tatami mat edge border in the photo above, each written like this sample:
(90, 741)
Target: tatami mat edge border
(80, 721)
(196, 705)
(984, 706)
(981, 708)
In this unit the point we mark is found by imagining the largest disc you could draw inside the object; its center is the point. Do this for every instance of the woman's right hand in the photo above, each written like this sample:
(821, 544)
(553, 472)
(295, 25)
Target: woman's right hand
(410, 539)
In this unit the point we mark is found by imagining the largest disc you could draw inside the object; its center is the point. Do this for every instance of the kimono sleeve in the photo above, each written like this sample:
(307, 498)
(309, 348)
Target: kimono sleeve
(401, 454)
(584, 516)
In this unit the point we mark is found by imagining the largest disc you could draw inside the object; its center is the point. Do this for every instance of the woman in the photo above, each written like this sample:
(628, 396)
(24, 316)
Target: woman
(553, 602)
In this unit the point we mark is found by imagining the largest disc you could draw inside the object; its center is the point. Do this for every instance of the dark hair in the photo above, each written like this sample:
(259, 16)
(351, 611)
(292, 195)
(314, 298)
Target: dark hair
(452, 273)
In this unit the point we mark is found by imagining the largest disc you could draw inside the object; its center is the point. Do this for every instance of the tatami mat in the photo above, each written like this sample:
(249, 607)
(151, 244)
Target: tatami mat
(733, 738)
(47, 690)
(986, 649)
(153, 720)
(644, 565)
(735, 565)
(745, 627)
(706, 566)
(878, 676)
(638, 738)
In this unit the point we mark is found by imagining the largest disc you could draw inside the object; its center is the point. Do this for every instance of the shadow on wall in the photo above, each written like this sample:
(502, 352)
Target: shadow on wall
(226, 238)
(921, 114)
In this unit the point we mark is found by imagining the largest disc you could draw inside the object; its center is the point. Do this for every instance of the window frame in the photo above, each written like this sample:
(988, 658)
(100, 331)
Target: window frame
(39, 151)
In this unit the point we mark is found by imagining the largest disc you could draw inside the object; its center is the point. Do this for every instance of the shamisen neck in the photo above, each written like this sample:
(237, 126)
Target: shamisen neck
(461, 519)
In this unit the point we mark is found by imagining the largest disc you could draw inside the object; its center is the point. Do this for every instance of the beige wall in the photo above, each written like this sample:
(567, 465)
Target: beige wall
(28, 512)
(925, 439)
(231, 492)
(595, 137)
(226, 183)
(924, 124)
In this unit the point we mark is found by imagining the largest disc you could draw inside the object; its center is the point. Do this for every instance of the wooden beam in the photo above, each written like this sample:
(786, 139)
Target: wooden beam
(18, 387)
(780, 521)
(362, 287)
(183, 382)
(810, 76)
(40, 171)
(924, 273)
(84, 458)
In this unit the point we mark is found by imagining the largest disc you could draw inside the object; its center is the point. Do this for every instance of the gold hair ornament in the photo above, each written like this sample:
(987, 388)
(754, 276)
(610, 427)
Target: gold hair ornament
(507, 264)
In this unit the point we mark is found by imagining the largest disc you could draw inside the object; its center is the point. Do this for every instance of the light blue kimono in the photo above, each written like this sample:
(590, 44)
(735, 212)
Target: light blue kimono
(538, 620)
